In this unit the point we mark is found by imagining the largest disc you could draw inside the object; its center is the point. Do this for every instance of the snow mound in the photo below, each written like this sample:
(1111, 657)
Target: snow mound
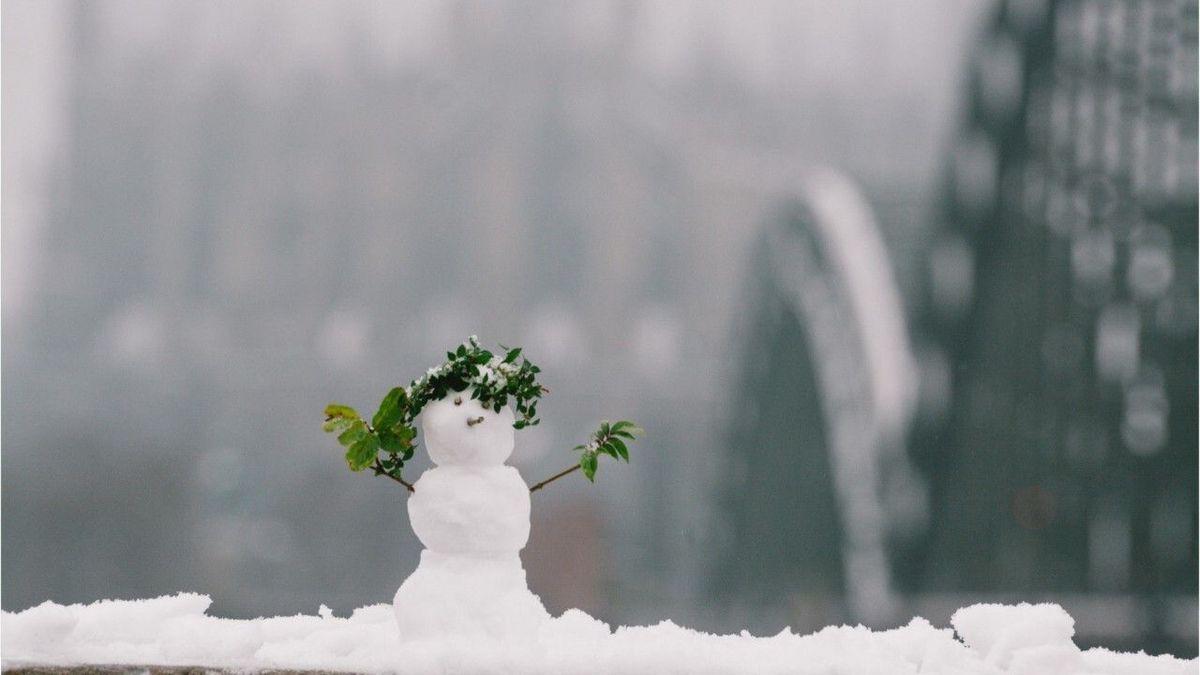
(1000, 632)
(175, 630)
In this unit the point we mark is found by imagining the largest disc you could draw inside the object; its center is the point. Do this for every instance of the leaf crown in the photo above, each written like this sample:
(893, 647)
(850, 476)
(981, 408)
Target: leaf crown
(493, 379)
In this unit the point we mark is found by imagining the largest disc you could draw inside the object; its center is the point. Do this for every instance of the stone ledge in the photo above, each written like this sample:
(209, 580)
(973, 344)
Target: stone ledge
(27, 669)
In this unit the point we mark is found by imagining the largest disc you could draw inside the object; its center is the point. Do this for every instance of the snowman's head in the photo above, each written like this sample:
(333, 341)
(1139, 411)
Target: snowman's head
(459, 430)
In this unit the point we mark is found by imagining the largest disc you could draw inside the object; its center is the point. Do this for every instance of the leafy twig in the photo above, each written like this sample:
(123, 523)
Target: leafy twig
(608, 441)
(380, 471)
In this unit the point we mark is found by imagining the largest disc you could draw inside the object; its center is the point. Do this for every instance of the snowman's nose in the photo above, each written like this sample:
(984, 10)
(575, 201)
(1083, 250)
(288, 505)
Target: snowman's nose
(472, 421)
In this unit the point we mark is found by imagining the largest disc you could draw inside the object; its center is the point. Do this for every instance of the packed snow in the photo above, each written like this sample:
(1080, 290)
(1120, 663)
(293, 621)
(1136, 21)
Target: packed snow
(471, 512)
(468, 609)
(174, 630)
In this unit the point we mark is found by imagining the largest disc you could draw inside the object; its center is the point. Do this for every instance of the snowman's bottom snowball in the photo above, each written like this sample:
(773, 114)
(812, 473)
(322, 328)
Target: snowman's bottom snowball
(468, 597)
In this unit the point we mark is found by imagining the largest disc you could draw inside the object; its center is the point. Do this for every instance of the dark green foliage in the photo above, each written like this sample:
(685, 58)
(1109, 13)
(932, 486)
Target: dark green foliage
(388, 441)
(607, 440)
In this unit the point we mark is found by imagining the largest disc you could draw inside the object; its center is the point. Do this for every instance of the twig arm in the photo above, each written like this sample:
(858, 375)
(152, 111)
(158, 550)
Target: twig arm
(380, 471)
(551, 479)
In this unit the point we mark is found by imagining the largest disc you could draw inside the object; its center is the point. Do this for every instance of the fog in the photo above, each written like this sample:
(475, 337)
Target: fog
(220, 216)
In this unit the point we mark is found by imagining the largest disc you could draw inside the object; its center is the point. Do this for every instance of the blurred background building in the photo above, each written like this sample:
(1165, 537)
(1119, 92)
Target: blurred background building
(219, 216)
(1053, 447)
(1060, 307)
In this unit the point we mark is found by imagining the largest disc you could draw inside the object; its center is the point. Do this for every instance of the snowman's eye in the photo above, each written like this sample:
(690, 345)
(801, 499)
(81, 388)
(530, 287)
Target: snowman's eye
(457, 400)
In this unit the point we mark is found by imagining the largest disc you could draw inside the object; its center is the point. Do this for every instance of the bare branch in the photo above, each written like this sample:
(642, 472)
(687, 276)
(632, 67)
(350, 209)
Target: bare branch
(379, 470)
(553, 478)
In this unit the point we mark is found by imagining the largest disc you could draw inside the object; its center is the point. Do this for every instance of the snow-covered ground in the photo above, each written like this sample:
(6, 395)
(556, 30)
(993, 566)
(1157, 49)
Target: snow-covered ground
(174, 630)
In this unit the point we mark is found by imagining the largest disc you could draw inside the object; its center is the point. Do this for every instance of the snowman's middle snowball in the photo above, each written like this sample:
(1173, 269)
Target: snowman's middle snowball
(471, 510)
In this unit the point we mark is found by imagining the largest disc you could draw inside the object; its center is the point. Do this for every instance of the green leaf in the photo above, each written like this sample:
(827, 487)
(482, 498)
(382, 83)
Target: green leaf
(608, 450)
(588, 463)
(406, 434)
(603, 429)
(337, 410)
(629, 429)
(391, 409)
(356, 432)
(362, 453)
(483, 357)
(396, 440)
(512, 355)
(337, 424)
(619, 446)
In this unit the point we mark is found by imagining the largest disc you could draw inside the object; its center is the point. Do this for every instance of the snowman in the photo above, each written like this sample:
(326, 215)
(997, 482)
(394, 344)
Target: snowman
(471, 511)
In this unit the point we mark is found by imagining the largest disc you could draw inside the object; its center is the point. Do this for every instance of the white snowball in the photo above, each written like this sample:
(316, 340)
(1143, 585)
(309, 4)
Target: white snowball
(454, 596)
(454, 436)
(471, 510)
(996, 632)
